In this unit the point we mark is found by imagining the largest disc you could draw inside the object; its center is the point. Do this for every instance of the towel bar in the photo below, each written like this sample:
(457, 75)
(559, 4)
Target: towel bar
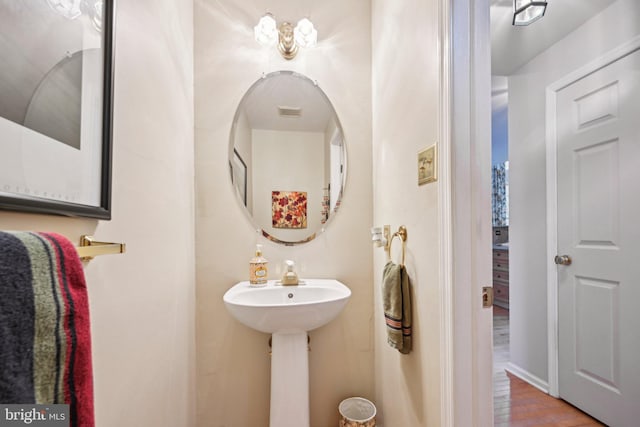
(402, 234)
(90, 248)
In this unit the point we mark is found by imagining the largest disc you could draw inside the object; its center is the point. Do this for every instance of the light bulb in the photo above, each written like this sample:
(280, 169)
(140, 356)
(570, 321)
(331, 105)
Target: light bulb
(266, 32)
(305, 34)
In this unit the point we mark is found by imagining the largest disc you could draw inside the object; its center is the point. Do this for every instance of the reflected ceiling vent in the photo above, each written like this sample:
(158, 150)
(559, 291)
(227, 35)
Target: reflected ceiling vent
(289, 111)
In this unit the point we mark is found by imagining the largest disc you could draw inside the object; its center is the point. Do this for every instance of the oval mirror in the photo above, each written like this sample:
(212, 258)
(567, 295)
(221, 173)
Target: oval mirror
(287, 157)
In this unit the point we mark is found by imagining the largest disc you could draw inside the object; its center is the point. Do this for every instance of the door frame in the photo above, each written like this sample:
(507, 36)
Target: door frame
(552, 196)
(445, 218)
(465, 212)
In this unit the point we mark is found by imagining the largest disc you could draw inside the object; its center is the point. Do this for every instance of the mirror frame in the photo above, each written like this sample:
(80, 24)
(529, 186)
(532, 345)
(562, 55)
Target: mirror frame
(231, 150)
(30, 202)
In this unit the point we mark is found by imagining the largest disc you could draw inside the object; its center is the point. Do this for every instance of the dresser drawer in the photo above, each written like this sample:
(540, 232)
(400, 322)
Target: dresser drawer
(502, 255)
(501, 292)
(501, 275)
(500, 264)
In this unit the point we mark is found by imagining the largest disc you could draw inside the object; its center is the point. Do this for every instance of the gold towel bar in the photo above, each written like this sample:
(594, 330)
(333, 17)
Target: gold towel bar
(90, 248)
(402, 234)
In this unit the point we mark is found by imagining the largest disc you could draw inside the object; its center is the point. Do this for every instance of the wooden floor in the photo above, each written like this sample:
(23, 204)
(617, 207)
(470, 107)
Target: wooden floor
(516, 403)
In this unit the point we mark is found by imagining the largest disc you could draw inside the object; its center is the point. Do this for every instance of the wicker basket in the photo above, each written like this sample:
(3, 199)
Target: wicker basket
(357, 412)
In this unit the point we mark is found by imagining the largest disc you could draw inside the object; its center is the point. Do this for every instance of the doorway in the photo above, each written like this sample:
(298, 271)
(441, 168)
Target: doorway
(605, 26)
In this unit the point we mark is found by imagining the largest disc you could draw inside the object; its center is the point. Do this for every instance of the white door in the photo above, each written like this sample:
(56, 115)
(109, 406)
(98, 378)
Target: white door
(598, 137)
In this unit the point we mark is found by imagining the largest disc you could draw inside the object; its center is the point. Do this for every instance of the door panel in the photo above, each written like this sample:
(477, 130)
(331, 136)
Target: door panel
(596, 173)
(597, 331)
(598, 139)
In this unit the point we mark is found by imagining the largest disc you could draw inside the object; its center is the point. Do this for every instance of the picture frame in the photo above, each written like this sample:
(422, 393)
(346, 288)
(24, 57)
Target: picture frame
(238, 170)
(427, 165)
(56, 107)
(289, 209)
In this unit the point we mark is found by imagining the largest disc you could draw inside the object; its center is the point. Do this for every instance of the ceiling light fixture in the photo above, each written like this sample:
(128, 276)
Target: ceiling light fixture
(288, 38)
(527, 11)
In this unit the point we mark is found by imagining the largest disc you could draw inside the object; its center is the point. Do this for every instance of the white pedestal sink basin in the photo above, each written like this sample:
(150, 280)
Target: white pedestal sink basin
(276, 308)
(288, 313)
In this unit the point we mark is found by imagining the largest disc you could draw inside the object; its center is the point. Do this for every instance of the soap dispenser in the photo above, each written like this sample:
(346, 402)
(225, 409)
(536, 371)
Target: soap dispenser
(258, 268)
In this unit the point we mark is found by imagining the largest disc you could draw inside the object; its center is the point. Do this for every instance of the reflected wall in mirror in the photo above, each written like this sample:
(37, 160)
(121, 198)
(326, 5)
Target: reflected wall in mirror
(286, 138)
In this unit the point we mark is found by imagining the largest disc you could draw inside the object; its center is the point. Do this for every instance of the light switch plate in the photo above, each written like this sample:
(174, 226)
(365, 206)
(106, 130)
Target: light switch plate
(427, 165)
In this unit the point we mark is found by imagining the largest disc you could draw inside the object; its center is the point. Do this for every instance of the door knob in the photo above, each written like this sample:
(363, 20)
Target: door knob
(562, 260)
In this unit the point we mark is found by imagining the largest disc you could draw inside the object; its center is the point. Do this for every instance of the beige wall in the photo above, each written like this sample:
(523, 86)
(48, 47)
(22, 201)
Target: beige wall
(405, 114)
(233, 365)
(142, 303)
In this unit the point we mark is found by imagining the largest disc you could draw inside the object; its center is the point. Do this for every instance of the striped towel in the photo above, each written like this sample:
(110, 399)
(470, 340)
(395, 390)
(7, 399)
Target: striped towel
(45, 341)
(396, 298)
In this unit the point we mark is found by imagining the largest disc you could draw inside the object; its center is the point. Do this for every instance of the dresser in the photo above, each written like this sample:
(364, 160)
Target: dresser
(501, 275)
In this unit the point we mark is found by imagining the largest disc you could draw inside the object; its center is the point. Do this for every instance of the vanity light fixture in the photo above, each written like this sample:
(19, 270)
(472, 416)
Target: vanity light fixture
(288, 38)
(526, 12)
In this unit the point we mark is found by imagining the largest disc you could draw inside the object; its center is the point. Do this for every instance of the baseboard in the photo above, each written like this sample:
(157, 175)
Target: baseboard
(528, 377)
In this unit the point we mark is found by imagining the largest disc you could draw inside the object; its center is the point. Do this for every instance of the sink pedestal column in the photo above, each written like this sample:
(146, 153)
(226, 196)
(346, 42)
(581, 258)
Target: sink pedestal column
(289, 380)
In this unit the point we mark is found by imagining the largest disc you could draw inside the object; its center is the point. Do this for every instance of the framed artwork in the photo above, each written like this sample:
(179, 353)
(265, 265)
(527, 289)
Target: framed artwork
(289, 209)
(427, 171)
(56, 101)
(238, 169)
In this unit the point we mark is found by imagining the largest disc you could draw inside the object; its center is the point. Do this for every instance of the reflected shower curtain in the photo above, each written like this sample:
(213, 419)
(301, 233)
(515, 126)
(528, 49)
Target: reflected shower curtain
(499, 201)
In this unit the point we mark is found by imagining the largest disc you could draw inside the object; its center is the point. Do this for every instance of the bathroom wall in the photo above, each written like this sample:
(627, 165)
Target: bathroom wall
(405, 118)
(233, 365)
(143, 303)
(528, 258)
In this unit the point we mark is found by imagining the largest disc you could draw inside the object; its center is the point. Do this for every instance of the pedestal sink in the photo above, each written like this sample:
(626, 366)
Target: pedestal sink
(288, 313)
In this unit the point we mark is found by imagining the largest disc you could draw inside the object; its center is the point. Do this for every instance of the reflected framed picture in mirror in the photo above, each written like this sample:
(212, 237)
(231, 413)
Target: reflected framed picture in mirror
(56, 100)
(289, 209)
(238, 170)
